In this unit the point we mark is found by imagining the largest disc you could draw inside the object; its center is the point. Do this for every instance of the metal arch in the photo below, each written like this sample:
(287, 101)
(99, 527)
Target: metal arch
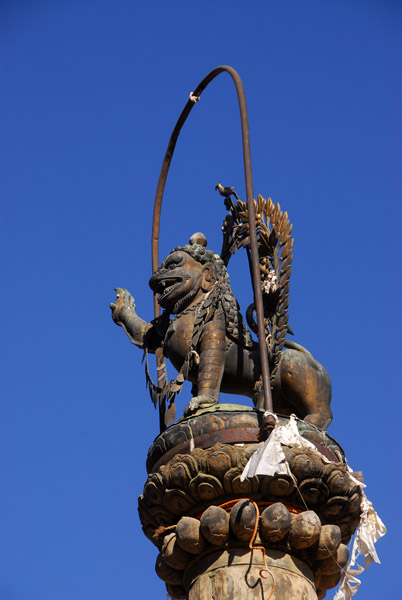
(255, 271)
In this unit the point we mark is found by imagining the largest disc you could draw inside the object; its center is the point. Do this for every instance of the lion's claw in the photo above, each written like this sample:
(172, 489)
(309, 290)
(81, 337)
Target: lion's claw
(198, 403)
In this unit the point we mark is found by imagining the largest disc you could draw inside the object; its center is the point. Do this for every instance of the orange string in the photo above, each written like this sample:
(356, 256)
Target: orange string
(229, 505)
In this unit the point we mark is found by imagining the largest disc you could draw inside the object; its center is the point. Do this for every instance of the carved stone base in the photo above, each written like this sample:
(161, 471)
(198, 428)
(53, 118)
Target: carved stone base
(207, 523)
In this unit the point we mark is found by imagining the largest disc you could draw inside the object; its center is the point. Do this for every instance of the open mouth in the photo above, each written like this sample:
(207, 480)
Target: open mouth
(167, 286)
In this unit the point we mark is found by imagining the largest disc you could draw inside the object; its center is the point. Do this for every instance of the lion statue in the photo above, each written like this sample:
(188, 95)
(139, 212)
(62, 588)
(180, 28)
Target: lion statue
(202, 333)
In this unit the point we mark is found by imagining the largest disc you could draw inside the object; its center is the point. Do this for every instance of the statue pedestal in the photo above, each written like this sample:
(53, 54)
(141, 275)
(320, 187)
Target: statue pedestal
(211, 528)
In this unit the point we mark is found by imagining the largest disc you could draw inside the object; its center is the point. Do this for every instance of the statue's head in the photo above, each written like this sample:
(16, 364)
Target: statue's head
(186, 274)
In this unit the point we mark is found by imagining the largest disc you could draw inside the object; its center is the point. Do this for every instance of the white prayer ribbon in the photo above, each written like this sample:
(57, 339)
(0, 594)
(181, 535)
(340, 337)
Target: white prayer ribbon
(270, 459)
(370, 529)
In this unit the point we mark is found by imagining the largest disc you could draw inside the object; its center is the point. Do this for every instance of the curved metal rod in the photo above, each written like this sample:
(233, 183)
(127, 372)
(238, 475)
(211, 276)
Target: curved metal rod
(255, 270)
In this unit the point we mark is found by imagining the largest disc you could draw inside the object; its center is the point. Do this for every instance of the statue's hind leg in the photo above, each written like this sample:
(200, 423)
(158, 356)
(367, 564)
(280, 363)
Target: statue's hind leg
(304, 384)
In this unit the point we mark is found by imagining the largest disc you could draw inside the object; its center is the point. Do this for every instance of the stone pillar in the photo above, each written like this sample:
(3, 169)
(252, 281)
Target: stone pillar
(242, 574)
(266, 538)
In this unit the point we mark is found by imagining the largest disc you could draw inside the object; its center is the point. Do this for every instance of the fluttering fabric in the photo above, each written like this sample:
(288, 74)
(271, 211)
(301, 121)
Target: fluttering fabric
(270, 459)
(370, 529)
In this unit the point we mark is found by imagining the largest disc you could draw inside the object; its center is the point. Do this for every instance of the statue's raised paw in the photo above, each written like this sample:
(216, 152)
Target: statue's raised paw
(124, 304)
(198, 403)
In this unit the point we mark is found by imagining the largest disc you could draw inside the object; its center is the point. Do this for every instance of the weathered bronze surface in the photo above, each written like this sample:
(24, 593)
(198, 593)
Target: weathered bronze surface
(208, 342)
(219, 535)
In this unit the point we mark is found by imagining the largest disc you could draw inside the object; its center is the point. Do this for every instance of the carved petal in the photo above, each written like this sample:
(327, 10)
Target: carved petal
(219, 462)
(152, 494)
(304, 467)
(314, 491)
(205, 487)
(178, 502)
(338, 482)
(228, 478)
(178, 475)
(335, 508)
(281, 486)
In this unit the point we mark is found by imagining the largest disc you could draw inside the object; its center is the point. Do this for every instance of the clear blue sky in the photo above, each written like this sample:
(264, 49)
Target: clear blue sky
(89, 93)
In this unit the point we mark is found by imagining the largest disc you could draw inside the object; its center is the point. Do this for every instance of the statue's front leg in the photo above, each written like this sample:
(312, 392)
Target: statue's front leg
(124, 315)
(212, 364)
